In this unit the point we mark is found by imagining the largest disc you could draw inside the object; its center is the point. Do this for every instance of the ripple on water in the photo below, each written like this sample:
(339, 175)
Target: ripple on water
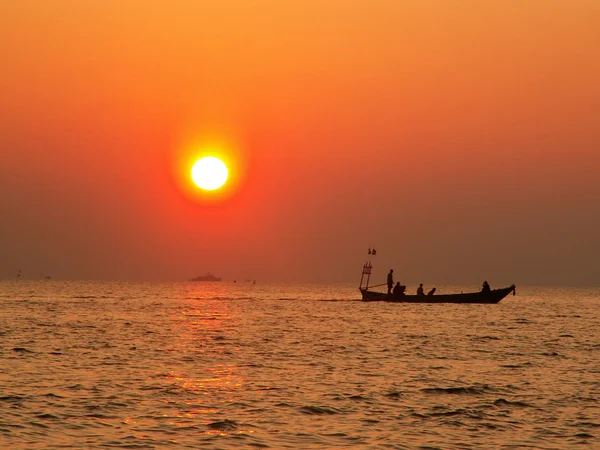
(462, 390)
(22, 350)
(319, 410)
(14, 398)
(503, 402)
(223, 425)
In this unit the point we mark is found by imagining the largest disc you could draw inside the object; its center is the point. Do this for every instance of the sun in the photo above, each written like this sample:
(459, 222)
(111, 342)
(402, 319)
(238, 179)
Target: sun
(210, 173)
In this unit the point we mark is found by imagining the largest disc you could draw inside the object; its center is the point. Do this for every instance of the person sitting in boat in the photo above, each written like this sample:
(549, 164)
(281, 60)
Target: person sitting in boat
(398, 290)
(420, 290)
(485, 288)
(431, 292)
(390, 281)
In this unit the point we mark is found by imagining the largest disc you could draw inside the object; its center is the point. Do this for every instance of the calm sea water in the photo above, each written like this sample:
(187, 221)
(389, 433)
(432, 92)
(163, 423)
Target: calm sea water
(222, 366)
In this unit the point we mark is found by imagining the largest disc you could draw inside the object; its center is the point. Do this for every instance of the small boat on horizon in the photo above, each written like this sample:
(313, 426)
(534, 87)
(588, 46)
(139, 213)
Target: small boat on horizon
(208, 277)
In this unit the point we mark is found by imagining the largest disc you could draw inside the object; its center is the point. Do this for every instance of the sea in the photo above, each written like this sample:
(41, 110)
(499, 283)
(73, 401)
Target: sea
(193, 365)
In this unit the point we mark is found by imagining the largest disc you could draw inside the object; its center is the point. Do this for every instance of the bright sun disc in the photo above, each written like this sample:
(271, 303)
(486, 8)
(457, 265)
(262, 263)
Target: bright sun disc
(209, 173)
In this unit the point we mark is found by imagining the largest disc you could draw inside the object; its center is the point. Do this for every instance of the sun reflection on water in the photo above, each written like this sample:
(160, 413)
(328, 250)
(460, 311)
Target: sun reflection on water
(223, 379)
(207, 378)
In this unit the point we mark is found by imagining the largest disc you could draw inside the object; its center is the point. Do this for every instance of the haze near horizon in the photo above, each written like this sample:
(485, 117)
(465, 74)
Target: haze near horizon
(459, 138)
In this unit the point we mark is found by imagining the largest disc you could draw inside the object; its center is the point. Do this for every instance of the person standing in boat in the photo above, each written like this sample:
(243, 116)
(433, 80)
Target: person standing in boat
(420, 290)
(390, 281)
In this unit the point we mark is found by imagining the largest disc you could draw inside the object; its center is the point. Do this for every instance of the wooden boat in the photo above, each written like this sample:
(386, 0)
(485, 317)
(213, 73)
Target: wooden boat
(491, 296)
(494, 296)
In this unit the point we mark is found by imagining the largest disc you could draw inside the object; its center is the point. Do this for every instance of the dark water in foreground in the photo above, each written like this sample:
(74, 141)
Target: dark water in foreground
(200, 365)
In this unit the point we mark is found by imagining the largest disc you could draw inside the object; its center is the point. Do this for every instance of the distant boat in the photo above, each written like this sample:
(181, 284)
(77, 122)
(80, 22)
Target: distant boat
(208, 277)
(492, 296)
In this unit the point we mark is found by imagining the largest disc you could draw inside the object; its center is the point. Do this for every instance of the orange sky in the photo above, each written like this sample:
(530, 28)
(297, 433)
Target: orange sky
(460, 137)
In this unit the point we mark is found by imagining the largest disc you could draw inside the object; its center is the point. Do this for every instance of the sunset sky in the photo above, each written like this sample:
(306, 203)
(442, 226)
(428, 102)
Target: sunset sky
(461, 138)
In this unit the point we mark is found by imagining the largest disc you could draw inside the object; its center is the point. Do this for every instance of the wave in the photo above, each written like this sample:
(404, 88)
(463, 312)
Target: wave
(468, 390)
(584, 436)
(587, 424)
(484, 338)
(223, 425)
(394, 394)
(47, 416)
(13, 398)
(22, 350)
(503, 402)
(51, 395)
(318, 410)
(456, 412)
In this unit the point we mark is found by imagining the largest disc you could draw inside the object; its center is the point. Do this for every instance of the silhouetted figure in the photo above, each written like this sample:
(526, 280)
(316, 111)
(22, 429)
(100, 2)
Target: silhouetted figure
(399, 290)
(431, 292)
(420, 290)
(390, 281)
(485, 288)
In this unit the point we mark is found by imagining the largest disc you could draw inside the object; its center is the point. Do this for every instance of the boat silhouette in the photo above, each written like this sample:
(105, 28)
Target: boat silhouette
(487, 296)
(208, 277)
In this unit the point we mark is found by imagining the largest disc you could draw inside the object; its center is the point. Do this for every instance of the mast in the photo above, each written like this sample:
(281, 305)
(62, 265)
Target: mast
(367, 270)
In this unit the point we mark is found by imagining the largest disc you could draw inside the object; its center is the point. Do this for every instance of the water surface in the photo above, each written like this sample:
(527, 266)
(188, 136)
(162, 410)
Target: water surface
(223, 366)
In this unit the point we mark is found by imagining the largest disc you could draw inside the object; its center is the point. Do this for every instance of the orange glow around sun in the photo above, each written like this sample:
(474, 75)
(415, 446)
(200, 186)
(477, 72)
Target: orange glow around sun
(208, 169)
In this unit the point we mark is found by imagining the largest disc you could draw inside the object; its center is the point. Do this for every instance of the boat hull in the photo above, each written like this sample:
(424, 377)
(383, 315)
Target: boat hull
(207, 277)
(493, 296)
